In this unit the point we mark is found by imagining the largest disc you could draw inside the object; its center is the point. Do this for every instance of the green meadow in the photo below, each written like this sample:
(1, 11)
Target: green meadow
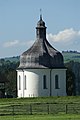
(67, 99)
(74, 100)
(41, 117)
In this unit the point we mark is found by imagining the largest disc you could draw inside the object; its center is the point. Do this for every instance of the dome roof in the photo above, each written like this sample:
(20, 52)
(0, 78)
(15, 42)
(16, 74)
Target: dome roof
(41, 54)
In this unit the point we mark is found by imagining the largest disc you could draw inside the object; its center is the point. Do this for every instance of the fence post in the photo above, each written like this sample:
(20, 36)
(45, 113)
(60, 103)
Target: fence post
(13, 110)
(30, 109)
(48, 108)
(66, 108)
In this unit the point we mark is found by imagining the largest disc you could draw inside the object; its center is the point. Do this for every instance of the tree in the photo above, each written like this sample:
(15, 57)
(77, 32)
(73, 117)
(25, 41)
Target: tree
(70, 86)
(8, 72)
(11, 89)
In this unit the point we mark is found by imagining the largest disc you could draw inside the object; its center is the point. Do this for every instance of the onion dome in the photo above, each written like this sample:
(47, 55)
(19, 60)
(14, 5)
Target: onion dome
(41, 23)
(41, 54)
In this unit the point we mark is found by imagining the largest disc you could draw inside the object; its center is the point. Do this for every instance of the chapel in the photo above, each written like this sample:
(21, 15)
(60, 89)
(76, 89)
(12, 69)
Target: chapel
(41, 71)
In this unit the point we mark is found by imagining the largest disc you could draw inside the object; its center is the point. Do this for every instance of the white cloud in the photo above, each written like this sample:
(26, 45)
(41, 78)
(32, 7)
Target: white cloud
(18, 43)
(30, 43)
(64, 36)
(27, 43)
(11, 43)
(68, 39)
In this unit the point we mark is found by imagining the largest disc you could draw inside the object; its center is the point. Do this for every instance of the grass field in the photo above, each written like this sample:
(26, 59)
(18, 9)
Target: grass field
(67, 99)
(74, 100)
(41, 117)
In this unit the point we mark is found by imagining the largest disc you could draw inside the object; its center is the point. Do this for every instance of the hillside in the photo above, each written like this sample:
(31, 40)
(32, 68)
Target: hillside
(12, 59)
(68, 56)
(71, 56)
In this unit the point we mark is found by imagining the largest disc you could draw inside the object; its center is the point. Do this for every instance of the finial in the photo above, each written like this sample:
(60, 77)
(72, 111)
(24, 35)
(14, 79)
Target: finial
(40, 14)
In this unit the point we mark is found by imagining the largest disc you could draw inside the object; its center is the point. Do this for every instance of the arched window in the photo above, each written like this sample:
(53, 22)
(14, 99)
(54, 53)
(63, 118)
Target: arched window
(19, 82)
(44, 82)
(25, 82)
(56, 82)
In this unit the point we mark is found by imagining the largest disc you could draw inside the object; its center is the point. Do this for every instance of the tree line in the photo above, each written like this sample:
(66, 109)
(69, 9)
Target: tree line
(8, 74)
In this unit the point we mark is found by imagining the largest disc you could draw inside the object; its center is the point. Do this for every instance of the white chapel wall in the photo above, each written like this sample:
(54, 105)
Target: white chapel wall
(34, 82)
(62, 82)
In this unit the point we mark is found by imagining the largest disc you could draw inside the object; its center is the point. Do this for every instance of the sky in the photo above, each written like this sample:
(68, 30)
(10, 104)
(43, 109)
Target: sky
(18, 20)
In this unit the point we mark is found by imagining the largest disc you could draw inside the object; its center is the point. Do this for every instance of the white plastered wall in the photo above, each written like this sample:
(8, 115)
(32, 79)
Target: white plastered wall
(35, 82)
(62, 82)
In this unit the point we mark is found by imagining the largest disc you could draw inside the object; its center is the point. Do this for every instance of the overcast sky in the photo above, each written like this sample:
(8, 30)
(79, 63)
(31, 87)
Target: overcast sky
(18, 19)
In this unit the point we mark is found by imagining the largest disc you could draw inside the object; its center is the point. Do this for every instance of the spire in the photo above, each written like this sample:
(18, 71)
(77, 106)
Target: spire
(41, 14)
(41, 23)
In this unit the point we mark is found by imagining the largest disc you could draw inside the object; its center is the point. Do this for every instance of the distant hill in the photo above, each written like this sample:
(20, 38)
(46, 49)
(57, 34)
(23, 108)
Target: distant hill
(11, 59)
(68, 56)
(71, 56)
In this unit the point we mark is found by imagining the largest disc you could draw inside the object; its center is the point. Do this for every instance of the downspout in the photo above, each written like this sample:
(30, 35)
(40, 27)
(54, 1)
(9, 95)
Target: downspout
(50, 82)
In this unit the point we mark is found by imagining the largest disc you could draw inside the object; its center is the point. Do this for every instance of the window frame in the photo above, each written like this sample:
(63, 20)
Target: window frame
(57, 81)
(19, 82)
(44, 82)
(25, 82)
